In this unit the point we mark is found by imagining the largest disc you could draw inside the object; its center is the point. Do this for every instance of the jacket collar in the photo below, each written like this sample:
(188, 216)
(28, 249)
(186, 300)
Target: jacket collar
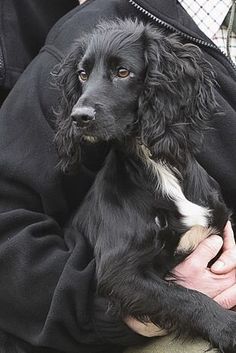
(171, 12)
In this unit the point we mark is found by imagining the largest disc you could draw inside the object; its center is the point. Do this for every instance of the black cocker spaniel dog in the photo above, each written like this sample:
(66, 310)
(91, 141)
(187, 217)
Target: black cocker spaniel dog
(152, 98)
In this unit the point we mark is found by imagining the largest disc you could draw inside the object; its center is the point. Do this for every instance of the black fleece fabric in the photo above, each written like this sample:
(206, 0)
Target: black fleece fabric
(24, 26)
(47, 286)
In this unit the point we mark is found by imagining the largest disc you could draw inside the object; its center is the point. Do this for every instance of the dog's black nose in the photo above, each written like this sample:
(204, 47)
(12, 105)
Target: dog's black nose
(83, 116)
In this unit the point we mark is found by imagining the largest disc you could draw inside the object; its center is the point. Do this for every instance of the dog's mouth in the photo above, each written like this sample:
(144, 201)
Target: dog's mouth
(93, 133)
(103, 130)
(88, 135)
(84, 134)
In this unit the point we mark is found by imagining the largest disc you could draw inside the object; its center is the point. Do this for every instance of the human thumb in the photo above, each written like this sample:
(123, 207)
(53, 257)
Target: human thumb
(226, 263)
(208, 248)
(227, 260)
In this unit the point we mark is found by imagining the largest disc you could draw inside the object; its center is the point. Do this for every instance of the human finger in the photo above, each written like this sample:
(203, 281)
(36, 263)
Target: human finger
(227, 298)
(206, 250)
(229, 240)
(227, 260)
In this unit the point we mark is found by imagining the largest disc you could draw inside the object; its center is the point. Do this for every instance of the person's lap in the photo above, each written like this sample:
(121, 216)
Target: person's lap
(168, 344)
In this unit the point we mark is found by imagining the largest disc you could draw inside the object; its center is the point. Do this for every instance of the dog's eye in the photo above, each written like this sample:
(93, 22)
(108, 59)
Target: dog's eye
(123, 72)
(83, 76)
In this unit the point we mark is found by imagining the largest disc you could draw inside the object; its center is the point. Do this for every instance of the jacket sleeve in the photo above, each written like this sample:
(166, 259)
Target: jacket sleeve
(46, 278)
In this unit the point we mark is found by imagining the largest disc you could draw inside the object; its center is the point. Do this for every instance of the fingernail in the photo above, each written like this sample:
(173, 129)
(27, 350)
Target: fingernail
(228, 224)
(218, 265)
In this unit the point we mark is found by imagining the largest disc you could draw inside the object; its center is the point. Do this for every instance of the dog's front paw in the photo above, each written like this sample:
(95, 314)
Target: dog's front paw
(224, 336)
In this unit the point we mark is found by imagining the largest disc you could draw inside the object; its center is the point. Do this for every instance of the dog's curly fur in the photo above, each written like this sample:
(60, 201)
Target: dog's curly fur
(151, 190)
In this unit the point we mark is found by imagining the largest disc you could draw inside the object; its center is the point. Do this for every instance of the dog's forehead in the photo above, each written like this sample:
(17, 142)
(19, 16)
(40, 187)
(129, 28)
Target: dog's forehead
(116, 43)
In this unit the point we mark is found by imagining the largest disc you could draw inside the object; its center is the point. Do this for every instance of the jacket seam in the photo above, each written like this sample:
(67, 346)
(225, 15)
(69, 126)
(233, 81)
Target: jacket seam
(3, 69)
(51, 49)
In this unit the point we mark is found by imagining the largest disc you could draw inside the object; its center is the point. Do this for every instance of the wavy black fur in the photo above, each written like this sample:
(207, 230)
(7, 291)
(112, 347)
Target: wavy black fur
(156, 115)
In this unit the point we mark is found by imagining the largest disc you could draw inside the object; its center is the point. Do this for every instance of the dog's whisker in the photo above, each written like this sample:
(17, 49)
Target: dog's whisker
(181, 124)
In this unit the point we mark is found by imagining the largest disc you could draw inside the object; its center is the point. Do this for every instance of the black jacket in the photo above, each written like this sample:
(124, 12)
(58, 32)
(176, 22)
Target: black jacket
(47, 279)
(24, 26)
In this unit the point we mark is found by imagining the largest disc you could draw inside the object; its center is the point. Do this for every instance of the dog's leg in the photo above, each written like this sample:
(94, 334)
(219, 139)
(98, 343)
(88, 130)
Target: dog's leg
(191, 239)
(139, 292)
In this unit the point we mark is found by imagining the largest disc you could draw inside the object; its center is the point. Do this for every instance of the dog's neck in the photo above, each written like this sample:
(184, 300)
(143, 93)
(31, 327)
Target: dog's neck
(135, 150)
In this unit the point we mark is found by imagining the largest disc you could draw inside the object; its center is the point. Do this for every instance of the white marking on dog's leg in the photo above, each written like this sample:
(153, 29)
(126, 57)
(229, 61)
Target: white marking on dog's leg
(190, 240)
(157, 222)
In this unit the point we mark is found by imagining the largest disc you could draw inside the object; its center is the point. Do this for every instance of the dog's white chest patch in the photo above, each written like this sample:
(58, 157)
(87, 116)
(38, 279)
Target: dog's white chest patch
(169, 186)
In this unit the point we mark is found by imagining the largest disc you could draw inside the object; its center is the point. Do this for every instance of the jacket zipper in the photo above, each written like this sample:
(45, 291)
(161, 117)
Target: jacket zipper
(186, 36)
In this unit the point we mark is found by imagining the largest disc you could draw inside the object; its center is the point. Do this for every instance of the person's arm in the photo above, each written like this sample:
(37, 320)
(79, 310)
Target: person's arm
(46, 280)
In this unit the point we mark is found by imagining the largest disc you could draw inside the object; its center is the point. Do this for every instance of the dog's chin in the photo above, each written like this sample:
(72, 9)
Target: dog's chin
(90, 139)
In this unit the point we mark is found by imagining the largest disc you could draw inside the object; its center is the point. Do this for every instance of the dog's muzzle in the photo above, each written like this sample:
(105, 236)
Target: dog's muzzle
(83, 116)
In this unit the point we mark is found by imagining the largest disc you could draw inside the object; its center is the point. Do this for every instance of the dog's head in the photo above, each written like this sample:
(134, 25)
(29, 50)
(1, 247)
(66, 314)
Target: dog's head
(127, 79)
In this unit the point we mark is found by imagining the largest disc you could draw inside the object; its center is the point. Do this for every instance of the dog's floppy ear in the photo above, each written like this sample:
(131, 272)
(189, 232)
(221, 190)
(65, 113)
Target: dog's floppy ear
(177, 100)
(66, 79)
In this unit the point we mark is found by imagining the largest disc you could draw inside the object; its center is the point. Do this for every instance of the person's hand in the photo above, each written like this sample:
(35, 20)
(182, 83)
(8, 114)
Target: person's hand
(147, 329)
(226, 264)
(217, 282)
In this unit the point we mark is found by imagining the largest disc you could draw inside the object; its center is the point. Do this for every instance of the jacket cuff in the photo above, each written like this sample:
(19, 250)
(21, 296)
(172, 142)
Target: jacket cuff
(110, 329)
